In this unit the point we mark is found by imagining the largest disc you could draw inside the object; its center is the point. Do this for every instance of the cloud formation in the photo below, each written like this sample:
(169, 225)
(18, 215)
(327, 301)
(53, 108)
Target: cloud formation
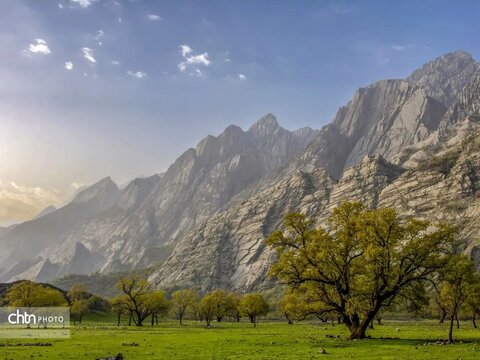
(20, 203)
(137, 74)
(39, 46)
(154, 17)
(82, 3)
(242, 77)
(192, 62)
(68, 65)
(88, 54)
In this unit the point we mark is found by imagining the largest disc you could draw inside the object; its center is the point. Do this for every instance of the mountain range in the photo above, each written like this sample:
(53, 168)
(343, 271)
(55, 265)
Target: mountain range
(411, 144)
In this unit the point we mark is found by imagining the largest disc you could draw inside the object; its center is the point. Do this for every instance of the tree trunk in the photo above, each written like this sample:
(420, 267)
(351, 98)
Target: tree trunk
(357, 332)
(118, 319)
(180, 317)
(443, 316)
(458, 323)
(450, 332)
(130, 319)
(474, 319)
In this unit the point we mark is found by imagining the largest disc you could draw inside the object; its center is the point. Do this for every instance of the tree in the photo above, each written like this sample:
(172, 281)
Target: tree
(458, 279)
(183, 300)
(253, 305)
(364, 261)
(473, 300)
(77, 292)
(119, 306)
(29, 294)
(157, 304)
(79, 308)
(233, 306)
(292, 307)
(220, 297)
(208, 308)
(135, 300)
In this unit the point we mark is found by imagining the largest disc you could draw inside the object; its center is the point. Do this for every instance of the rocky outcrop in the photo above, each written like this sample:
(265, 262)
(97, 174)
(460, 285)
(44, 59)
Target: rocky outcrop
(446, 76)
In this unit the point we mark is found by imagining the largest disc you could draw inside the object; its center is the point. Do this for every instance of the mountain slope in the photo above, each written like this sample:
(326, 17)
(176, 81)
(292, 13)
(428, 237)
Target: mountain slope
(36, 238)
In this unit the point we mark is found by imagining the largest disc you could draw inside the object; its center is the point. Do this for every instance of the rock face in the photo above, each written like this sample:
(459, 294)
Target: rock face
(446, 76)
(142, 222)
(204, 221)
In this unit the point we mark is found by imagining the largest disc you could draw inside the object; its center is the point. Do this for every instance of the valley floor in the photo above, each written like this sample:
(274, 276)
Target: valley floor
(98, 338)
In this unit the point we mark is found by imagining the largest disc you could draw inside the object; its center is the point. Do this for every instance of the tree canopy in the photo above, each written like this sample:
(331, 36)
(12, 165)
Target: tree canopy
(360, 261)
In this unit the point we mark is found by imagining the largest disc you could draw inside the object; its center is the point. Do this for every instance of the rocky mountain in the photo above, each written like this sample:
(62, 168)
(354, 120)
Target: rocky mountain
(140, 227)
(28, 246)
(204, 221)
(385, 148)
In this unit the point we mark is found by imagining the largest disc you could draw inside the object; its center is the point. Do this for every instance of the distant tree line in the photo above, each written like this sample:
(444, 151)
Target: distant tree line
(140, 301)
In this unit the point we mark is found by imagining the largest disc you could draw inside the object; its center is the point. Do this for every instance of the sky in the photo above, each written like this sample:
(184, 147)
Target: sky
(120, 88)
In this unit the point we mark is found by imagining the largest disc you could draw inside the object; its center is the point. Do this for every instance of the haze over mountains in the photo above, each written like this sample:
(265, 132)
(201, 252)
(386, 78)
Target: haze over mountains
(203, 222)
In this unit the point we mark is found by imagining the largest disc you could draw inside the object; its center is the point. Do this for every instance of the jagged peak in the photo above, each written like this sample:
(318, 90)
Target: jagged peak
(104, 184)
(267, 124)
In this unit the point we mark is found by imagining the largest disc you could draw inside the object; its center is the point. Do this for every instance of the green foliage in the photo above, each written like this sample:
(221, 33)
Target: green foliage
(30, 294)
(139, 300)
(459, 283)
(367, 260)
(182, 300)
(253, 306)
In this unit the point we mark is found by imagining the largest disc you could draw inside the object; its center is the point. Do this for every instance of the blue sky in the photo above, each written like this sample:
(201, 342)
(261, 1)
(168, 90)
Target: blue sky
(95, 88)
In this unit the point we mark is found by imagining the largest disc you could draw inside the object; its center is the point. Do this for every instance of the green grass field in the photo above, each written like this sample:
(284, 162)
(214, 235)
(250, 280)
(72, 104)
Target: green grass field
(99, 337)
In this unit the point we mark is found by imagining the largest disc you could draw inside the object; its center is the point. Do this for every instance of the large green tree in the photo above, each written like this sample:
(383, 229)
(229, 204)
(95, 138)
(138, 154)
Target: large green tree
(360, 261)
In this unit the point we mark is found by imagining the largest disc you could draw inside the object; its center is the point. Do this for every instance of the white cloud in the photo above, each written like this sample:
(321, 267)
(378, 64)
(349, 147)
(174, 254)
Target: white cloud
(137, 74)
(88, 54)
(19, 203)
(192, 61)
(199, 59)
(82, 3)
(60, 6)
(68, 65)
(228, 60)
(242, 77)
(185, 50)
(154, 17)
(39, 46)
(115, 62)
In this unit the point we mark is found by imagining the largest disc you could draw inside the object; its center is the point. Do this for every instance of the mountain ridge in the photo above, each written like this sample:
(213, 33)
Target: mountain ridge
(225, 195)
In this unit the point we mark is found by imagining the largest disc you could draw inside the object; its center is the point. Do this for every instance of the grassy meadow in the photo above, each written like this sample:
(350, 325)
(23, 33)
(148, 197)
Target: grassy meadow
(98, 336)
